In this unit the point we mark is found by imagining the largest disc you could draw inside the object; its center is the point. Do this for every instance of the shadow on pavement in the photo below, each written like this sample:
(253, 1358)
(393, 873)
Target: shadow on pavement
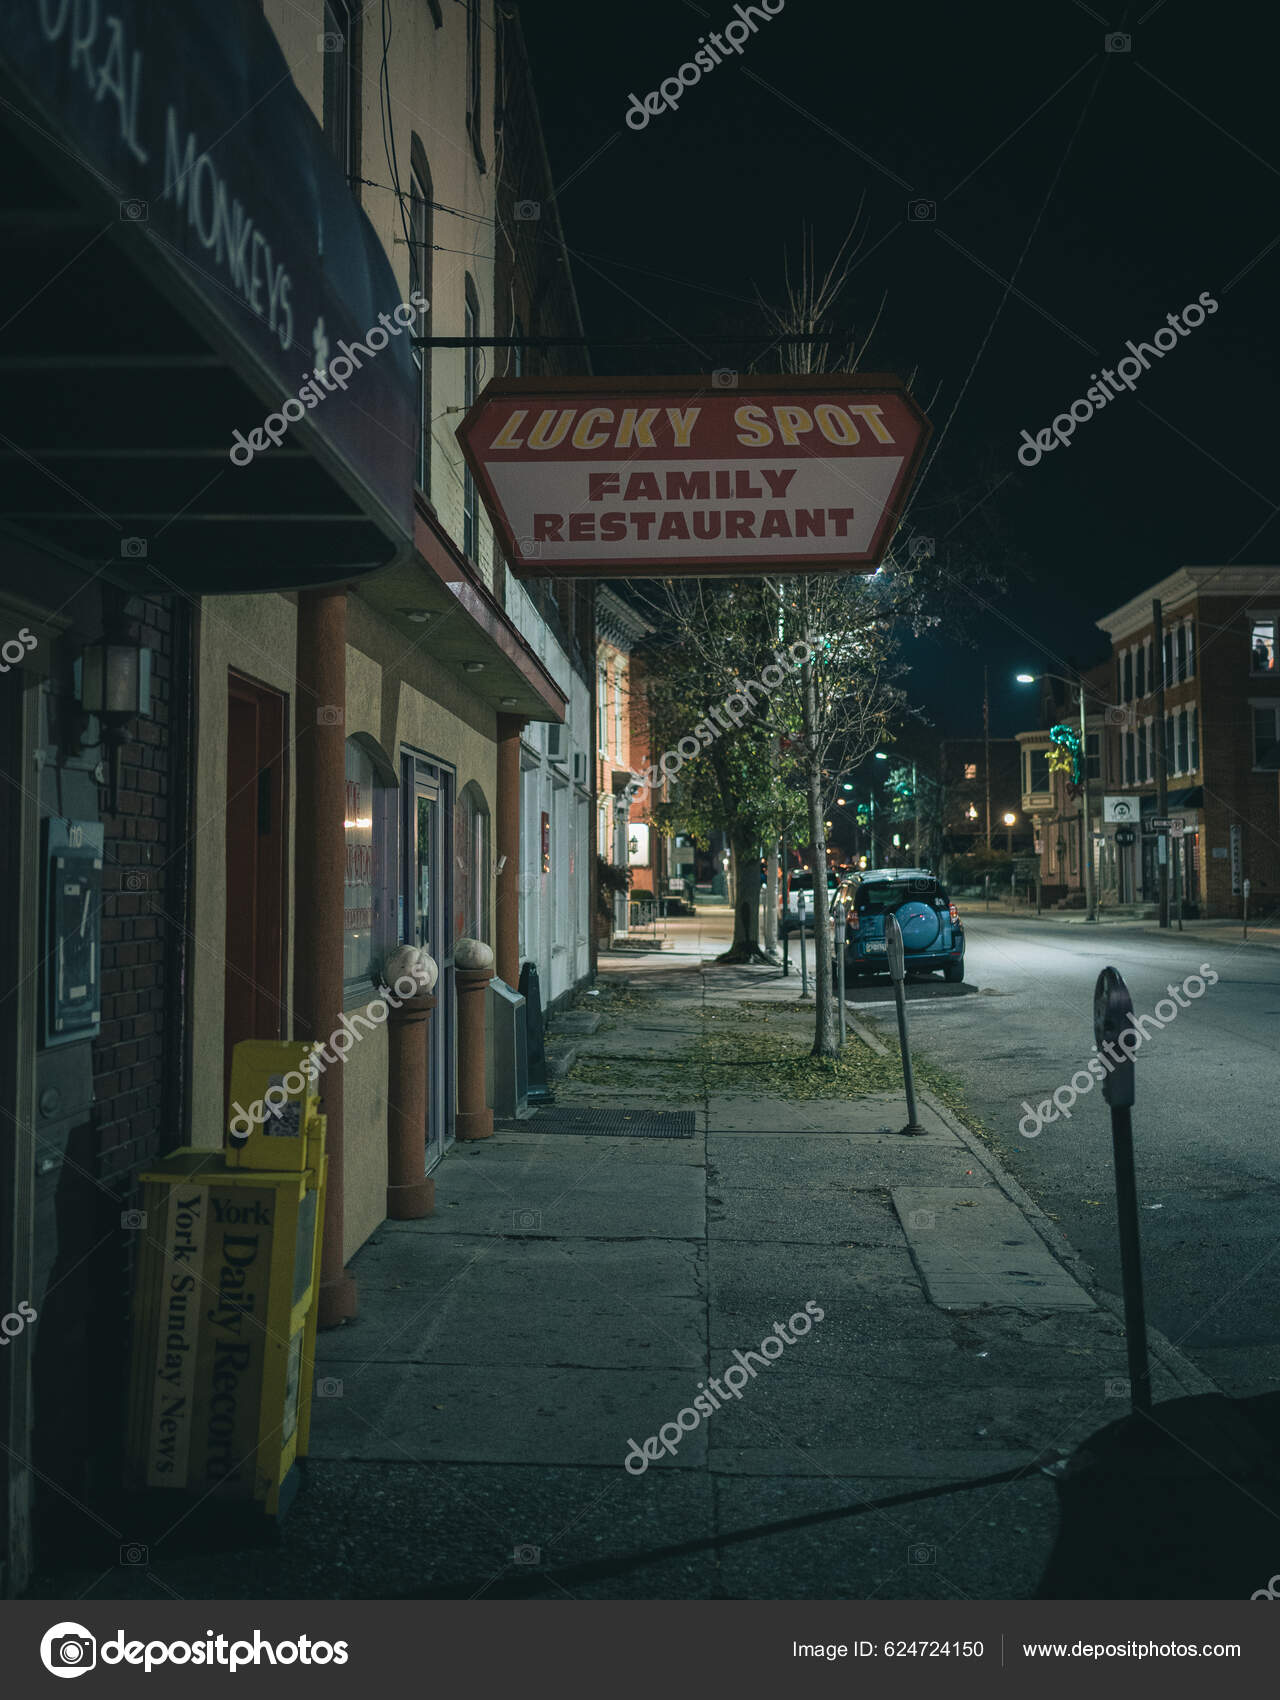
(1184, 1505)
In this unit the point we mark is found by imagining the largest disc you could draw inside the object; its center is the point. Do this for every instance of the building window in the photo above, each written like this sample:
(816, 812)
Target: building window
(470, 388)
(475, 67)
(1127, 743)
(1140, 683)
(471, 865)
(1184, 742)
(1266, 735)
(971, 770)
(338, 103)
(1127, 693)
(1037, 772)
(1191, 649)
(421, 226)
(1170, 744)
(1263, 659)
(617, 715)
(1093, 756)
(1194, 740)
(1180, 646)
(602, 711)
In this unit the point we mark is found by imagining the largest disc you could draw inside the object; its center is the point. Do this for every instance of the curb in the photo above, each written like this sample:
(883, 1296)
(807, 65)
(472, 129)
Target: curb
(1174, 1361)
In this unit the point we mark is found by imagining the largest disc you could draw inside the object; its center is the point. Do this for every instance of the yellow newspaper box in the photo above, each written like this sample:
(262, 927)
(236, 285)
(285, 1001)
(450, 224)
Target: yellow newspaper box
(225, 1302)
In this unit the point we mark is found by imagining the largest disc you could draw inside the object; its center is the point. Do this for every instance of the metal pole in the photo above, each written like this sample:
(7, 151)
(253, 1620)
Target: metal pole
(840, 935)
(1090, 878)
(1177, 878)
(1162, 766)
(1112, 1020)
(1246, 908)
(987, 890)
(1135, 1320)
(785, 882)
(986, 747)
(915, 793)
(897, 971)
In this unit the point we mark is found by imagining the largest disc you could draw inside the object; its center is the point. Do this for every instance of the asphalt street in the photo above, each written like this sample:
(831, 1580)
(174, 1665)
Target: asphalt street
(1205, 1122)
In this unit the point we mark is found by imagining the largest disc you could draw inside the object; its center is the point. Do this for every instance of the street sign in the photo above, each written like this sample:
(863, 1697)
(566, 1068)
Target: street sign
(646, 477)
(1174, 825)
(1125, 836)
(1116, 809)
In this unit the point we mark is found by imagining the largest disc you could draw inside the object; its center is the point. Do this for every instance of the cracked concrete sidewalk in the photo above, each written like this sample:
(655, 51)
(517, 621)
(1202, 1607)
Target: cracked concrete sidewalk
(574, 1293)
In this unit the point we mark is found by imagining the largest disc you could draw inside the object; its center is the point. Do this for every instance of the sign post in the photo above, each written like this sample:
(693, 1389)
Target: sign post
(897, 972)
(1112, 1018)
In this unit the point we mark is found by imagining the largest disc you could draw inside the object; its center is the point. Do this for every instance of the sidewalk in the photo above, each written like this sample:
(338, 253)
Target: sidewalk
(576, 1292)
(1266, 937)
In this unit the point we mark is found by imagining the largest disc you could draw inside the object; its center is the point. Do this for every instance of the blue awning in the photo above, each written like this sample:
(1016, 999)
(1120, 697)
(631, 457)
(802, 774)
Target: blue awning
(185, 251)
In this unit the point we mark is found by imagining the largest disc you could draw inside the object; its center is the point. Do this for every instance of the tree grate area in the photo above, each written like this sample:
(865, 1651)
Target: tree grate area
(631, 1124)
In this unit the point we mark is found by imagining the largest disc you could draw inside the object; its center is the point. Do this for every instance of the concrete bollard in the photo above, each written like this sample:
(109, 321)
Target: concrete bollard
(473, 970)
(411, 1193)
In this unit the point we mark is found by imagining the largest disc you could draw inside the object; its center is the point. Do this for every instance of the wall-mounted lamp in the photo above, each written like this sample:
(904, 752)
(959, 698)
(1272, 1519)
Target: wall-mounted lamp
(115, 685)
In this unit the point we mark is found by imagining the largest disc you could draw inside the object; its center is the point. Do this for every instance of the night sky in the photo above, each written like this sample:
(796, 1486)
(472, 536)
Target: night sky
(1110, 189)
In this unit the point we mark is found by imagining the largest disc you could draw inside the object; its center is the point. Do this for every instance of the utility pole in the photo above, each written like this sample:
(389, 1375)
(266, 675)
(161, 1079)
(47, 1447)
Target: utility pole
(986, 747)
(915, 797)
(1090, 878)
(1162, 758)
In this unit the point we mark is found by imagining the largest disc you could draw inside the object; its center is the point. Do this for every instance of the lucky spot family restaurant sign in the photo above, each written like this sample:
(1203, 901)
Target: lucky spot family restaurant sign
(670, 477)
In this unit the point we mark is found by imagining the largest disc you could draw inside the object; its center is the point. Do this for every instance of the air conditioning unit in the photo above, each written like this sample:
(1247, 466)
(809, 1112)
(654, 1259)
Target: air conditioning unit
(579, 767)
(507, 1053)
(557, 742)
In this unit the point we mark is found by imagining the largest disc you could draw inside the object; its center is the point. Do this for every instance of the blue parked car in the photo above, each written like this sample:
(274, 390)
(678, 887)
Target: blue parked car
(932, 931)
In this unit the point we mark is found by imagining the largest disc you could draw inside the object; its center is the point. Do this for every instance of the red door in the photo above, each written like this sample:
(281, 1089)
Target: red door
(256, 835)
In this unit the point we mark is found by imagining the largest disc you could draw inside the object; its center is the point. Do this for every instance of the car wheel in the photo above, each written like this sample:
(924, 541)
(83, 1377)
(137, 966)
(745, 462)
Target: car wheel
(953, 973)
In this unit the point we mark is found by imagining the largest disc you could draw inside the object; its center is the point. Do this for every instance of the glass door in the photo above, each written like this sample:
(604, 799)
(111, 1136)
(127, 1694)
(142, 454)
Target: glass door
(425, 921)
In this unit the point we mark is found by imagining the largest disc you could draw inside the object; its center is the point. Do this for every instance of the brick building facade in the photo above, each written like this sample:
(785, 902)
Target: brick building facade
(1222, 730)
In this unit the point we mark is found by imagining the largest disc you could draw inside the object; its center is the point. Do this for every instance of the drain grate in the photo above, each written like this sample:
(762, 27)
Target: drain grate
(632, 1124)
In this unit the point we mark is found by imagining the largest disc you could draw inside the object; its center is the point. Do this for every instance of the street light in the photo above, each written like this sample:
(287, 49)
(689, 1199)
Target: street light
(1009, 819)
(1090, 886)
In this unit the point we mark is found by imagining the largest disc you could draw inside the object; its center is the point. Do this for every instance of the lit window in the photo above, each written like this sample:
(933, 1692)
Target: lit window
(1263, 659)
(971, 770)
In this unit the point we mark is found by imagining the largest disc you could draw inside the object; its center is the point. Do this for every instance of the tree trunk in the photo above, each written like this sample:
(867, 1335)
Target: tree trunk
(745, 862)
(826, 1039)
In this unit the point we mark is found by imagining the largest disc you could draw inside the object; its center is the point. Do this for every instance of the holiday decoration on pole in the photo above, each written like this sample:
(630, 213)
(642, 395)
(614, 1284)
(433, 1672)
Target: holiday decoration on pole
(1064, 753)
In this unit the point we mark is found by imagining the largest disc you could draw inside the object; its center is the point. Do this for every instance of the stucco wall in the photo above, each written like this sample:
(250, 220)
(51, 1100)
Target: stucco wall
(428, 710)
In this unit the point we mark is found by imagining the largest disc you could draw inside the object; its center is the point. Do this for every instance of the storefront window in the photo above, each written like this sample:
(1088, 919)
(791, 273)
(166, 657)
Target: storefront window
(471, 865)
(367, 906)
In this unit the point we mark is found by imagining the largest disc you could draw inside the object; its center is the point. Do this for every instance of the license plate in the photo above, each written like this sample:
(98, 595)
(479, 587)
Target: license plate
(874, 947)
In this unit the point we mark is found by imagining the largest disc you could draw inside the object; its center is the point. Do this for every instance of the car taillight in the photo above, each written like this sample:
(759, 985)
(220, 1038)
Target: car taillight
(955, 915)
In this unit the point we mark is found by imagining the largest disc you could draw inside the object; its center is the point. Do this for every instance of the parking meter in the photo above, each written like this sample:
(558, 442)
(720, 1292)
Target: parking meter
(838, 916)
(1112, 1018)
(1112, 1010)
(897, 973)
(894, 948)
